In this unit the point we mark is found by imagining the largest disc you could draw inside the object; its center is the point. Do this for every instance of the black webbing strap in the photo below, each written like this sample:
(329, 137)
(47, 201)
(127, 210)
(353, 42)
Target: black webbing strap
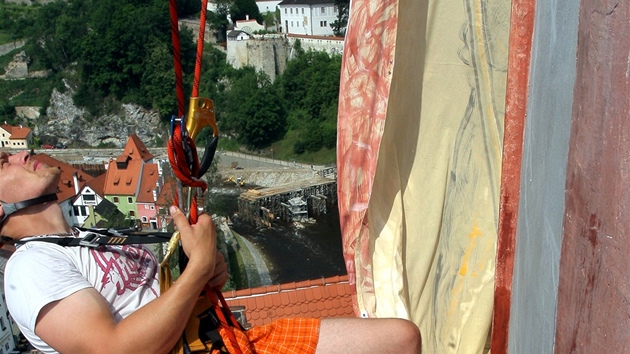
(99, 238)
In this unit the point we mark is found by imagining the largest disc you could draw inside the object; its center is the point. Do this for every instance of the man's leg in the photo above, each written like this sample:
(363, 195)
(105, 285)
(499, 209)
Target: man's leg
(368, 335)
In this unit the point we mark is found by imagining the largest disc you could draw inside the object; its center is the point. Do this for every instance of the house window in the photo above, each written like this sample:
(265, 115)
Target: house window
(291, 23)
(4, 328)
(302, 11)
(152, 207)
(89, 197)
(285, 12)
(144, 219)
(132, 213)
(75, 209)
(146, 206)
(323, 10)
(116, 200)
(335, 9)
(291, 10)
(130, 200)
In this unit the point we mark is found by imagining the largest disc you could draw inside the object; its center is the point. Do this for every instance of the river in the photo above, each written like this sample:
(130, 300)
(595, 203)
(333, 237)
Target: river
(291, 252)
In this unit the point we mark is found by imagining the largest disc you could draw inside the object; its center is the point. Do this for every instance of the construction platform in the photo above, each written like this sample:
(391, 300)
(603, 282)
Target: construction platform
(295, 201)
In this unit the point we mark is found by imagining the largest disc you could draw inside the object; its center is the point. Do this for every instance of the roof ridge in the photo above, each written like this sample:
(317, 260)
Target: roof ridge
(286, 287)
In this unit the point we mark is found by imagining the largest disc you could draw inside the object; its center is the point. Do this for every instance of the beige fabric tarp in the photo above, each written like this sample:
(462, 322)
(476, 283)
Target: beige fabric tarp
(419, 150)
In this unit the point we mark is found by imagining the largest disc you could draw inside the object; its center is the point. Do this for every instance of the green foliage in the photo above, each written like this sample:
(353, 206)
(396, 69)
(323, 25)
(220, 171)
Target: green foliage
(311, 83)
(339, 25)
(34, 92)
(270, 18)
(255, 114)
(242, 8)
(122, 48)
(218, 20)
(15, 20)
(188, 8)
(299, 147)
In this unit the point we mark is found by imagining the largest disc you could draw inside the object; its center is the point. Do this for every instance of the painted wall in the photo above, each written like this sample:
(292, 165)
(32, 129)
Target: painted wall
(594, 290)
(543, 176)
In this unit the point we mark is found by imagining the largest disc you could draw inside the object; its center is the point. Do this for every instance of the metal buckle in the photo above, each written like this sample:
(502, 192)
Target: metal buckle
(90, 240)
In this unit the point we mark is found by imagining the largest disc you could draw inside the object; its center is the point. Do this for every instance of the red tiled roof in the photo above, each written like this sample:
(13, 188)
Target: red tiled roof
(136, 149)
(148, 183)
(20, 132)
(321, 298)
(98, 184)
(122, 180)
(66, 182)
(167, 194)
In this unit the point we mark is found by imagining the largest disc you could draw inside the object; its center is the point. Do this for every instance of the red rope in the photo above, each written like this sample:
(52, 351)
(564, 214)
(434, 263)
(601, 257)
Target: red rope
(200, 38)
(177, 155)
(179, 81)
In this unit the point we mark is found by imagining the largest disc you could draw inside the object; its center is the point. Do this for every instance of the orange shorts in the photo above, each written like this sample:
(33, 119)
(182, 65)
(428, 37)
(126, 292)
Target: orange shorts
(286, 336)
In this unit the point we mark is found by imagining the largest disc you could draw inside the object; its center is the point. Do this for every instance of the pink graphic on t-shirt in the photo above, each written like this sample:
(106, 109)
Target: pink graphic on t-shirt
(126, 267)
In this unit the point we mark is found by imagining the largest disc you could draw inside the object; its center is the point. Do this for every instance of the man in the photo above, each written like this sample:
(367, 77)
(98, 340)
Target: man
(106, 299)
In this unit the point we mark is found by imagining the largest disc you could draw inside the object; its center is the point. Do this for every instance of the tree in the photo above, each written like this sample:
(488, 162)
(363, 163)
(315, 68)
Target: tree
(55, 34)
(158, 79)
(254, 113)
(218, 19)
(243, 8)
(188, 8)
(339, 26)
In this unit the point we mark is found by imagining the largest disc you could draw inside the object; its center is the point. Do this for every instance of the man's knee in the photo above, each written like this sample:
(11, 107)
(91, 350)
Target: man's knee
(409, 337)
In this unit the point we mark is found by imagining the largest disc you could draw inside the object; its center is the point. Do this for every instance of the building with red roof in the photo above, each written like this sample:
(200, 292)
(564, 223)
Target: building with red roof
(84, 205)
(132, 183)
(19, 137)
(70, 184)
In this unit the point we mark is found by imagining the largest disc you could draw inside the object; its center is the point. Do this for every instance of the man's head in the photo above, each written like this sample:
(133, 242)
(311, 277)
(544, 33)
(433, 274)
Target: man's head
(22, 178)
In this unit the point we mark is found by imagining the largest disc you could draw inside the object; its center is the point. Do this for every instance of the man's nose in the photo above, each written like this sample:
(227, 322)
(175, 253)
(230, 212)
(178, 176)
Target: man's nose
(21, 157)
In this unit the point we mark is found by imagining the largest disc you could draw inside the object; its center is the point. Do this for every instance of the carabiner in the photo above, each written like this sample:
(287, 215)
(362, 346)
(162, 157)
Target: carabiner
(201, 115)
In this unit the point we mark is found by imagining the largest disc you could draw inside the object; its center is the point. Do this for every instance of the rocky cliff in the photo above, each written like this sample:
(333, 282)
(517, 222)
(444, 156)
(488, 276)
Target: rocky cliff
(69, 125)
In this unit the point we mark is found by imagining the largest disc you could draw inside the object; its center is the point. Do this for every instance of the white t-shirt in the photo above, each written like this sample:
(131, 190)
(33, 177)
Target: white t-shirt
(41, 272)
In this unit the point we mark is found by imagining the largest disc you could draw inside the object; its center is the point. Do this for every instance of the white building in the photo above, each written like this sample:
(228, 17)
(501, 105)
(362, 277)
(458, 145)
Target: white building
(7, 336)
(8, 328)
(86, 201)
(308, 17)
(248, 26)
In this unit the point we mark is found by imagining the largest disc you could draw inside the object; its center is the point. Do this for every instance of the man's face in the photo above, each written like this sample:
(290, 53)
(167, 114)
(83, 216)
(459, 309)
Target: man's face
(23, 178)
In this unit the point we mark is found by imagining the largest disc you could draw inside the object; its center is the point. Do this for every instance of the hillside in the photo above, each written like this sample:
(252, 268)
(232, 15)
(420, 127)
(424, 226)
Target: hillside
(96, 84)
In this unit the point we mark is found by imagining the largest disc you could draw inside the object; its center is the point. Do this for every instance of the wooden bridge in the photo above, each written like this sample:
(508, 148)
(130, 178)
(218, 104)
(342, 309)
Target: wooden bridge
(263, 206)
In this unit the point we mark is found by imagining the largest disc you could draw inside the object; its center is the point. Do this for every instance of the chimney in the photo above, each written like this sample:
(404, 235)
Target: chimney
(75, 179)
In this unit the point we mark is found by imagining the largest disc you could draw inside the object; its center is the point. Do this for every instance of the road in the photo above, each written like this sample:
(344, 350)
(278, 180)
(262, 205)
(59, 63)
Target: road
(227, 159)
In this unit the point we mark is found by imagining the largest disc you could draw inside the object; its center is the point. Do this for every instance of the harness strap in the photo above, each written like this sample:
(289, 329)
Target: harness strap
(94, 239)
(10, 208)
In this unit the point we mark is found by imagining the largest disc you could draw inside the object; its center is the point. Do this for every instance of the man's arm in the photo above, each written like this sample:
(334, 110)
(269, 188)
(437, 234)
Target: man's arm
(83, 322)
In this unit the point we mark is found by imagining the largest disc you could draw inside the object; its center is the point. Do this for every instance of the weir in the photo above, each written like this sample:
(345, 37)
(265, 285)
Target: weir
(263, 206)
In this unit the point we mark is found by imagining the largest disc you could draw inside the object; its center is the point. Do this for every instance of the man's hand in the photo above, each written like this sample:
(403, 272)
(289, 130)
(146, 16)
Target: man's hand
(220, 275)
(198, 241)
